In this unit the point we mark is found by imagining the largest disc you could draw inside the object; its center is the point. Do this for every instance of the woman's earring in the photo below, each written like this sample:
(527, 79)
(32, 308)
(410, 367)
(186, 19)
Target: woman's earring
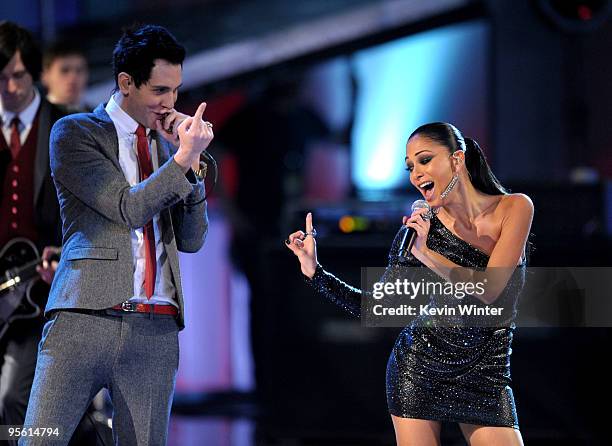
(451, 185)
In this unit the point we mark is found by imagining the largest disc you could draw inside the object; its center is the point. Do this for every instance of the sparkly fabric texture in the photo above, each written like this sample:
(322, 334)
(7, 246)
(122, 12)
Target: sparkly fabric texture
(456, 374)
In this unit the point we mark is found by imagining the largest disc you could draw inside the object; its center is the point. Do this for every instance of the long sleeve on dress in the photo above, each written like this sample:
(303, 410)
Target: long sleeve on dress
(349, 297)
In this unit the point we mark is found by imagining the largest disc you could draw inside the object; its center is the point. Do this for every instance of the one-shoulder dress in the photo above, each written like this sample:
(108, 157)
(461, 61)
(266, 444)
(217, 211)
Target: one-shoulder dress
(445, 373)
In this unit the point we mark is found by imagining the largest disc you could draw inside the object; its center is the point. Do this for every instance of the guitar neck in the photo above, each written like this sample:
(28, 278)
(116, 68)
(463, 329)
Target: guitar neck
(20, 274)
(28, 270)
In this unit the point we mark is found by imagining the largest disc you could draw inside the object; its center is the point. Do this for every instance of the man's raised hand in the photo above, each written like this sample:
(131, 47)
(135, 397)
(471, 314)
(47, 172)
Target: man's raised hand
(194, 135)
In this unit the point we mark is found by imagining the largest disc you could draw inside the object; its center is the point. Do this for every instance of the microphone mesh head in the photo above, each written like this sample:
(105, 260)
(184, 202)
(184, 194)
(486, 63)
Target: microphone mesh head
(422, 204)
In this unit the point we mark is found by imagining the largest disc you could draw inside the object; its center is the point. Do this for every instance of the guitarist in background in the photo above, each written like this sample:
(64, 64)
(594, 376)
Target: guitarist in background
(28, 202)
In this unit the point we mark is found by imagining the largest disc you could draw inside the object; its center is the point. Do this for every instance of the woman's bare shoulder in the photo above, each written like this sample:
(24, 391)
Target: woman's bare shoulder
(518, 205)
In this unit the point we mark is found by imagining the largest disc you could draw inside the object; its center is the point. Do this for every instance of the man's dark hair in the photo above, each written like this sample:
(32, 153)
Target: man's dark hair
(14, 38)
(137, 49)
(62, 48)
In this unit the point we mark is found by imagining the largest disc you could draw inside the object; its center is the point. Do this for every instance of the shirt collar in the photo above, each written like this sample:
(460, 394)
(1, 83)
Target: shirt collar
(26, 116)
(124, 123)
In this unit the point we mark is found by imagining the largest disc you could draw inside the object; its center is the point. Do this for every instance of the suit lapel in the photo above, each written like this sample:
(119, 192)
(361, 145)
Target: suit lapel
(163, 150)
(159, 158)
(108, 136)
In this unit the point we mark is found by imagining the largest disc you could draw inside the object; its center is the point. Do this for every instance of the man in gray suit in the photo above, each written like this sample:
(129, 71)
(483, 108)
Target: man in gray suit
(129, 200)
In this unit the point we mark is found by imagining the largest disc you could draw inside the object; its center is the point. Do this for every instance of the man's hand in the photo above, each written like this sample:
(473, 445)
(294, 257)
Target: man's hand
(194, 135)
(168, 127)
(47, 270)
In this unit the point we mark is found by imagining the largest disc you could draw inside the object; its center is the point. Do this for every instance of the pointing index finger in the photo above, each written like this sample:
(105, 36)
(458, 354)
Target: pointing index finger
(309, 222)
(199, 113)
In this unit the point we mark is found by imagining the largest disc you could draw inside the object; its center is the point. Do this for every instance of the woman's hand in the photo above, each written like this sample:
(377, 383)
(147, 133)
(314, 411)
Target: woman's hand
(304, 246)
(421, 224)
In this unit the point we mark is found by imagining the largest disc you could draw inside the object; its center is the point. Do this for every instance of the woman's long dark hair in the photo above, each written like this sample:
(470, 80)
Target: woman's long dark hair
(479, 170)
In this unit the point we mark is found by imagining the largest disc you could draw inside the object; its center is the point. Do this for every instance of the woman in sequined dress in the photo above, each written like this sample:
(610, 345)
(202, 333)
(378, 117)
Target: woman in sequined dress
(450, 374)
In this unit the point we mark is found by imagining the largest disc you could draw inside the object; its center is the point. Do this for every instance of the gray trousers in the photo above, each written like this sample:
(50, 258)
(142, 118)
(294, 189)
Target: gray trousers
(134, 355)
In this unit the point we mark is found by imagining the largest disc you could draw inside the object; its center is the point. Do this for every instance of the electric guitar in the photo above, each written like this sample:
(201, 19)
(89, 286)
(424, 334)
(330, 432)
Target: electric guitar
(18, 298)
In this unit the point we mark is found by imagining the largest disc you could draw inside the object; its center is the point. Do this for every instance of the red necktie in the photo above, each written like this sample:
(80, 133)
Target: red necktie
(146, 169)
(15, 139)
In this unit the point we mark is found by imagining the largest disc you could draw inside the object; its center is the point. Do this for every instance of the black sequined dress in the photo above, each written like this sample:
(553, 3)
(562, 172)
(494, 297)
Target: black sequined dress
(456, 374)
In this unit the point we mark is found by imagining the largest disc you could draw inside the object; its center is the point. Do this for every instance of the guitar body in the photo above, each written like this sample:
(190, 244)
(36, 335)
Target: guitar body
(18, 277)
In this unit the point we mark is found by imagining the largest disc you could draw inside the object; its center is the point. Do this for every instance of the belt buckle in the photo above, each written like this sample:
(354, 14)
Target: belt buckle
(128, 306)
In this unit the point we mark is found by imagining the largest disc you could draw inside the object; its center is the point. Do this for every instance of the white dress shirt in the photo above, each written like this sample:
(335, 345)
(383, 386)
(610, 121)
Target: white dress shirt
(164, 292)
(26, 117)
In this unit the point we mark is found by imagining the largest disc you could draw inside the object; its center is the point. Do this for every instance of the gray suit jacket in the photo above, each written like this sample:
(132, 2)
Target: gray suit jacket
(99, 208)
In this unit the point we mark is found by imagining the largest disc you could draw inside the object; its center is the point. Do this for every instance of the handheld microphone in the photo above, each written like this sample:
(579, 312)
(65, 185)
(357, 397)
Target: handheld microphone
(410, 235)
(207, 157)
